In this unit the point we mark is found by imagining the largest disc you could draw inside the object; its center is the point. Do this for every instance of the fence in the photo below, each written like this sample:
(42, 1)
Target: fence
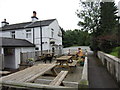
(35, 55)
(112, 64)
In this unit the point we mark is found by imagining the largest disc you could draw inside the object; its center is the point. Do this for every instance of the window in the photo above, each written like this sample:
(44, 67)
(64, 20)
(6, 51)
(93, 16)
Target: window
(8, 51)
(28, 33)
(52, 32)
(13, 34)
(36, 48)
(60, 34)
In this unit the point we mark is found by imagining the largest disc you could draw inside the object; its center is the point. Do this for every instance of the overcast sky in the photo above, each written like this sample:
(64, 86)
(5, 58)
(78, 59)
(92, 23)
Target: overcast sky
(17, 11)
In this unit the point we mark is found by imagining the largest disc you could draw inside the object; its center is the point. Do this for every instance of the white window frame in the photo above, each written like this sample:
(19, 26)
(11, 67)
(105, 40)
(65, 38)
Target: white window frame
(13, 34)
(28, 33)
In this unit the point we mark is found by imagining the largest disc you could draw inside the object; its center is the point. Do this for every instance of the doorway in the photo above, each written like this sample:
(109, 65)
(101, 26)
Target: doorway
(9, 58)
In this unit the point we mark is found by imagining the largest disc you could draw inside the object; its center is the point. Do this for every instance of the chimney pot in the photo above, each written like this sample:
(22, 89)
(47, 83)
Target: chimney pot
(34, 13)
(3, 23)
(4, 20)
(34, 18)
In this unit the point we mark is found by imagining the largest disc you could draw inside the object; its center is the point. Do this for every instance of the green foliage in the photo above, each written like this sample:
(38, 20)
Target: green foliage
(89, 15)
(108, 18)
(75, 38)
(108, 26)
(89, 20)
(30, 59)
(116, 52)
(99, 18)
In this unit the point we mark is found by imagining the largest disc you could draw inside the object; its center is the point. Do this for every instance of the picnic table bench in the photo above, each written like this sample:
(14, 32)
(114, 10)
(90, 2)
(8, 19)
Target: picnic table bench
(4, 72)
(57, 81)
(73, 64)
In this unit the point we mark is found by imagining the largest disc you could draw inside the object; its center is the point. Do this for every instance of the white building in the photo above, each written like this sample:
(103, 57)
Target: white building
(45, 35)
(31, 31)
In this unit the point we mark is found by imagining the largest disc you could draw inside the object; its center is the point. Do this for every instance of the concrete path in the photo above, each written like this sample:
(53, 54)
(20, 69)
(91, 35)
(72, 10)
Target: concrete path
(98, 75)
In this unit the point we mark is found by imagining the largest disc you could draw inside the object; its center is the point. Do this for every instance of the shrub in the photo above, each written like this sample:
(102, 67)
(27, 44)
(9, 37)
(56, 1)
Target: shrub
(116, 52)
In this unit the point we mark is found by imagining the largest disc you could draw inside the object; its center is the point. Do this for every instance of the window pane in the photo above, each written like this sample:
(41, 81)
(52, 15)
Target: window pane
(28, 33)
(13, 34)
(28, 30)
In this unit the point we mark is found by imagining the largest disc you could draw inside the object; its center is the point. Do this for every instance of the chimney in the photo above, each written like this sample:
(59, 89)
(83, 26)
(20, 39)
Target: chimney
(34, 18)
(4, 23)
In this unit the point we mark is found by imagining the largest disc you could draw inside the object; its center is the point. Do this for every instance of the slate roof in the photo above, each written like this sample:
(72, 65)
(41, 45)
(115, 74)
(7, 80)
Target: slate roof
(27, 25)
(10, 42)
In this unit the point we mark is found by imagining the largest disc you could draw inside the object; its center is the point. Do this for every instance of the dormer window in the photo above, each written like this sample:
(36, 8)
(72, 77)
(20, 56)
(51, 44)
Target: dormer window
(28, 33)
(13, 34)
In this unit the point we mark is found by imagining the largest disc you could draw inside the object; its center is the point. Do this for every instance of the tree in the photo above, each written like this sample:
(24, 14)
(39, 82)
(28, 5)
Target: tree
(89, 16)
(108, 24)
(108, 17)
(75, 38)
(89, 20)
(99, 18)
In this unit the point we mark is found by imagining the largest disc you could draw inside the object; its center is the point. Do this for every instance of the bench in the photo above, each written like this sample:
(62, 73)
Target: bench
(59, 78)
(73, 64)
(4, 72)
(46, 57)
(24, 65)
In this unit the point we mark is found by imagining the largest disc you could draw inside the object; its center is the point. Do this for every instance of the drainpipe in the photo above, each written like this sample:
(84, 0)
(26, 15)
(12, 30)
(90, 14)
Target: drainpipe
(33, 36)
(41, 37)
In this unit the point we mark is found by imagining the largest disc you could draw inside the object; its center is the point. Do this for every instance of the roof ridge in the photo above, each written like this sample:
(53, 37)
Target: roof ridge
(27, 25)
(31, 22)
(18, 23)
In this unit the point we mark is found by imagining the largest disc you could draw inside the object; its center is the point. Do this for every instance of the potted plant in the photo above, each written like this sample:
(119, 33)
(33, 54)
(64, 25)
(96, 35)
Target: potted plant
(30, 61)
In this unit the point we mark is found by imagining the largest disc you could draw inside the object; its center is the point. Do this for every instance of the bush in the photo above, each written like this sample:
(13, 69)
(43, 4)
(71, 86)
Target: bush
(116, 52)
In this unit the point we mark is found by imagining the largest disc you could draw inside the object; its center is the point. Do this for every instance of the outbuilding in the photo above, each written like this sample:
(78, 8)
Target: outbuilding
(11, 49)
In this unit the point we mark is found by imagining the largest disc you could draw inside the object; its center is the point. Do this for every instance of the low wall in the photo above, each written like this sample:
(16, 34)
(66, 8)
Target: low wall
(84, 79)
(112, 64)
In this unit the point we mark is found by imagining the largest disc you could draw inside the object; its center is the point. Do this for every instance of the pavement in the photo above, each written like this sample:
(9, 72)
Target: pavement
(98, 75)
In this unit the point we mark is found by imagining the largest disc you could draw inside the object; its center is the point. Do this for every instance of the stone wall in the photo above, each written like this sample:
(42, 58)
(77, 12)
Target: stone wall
(112, 64)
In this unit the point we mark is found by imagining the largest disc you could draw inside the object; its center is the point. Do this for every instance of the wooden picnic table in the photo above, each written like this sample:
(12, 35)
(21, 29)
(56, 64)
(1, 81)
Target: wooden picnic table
(64, 58)
(66, 61)
(24, 79)
(63, 61)
(28, 74)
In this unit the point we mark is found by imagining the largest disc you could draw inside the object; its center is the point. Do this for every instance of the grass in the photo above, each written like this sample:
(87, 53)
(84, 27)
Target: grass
(116, 52)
